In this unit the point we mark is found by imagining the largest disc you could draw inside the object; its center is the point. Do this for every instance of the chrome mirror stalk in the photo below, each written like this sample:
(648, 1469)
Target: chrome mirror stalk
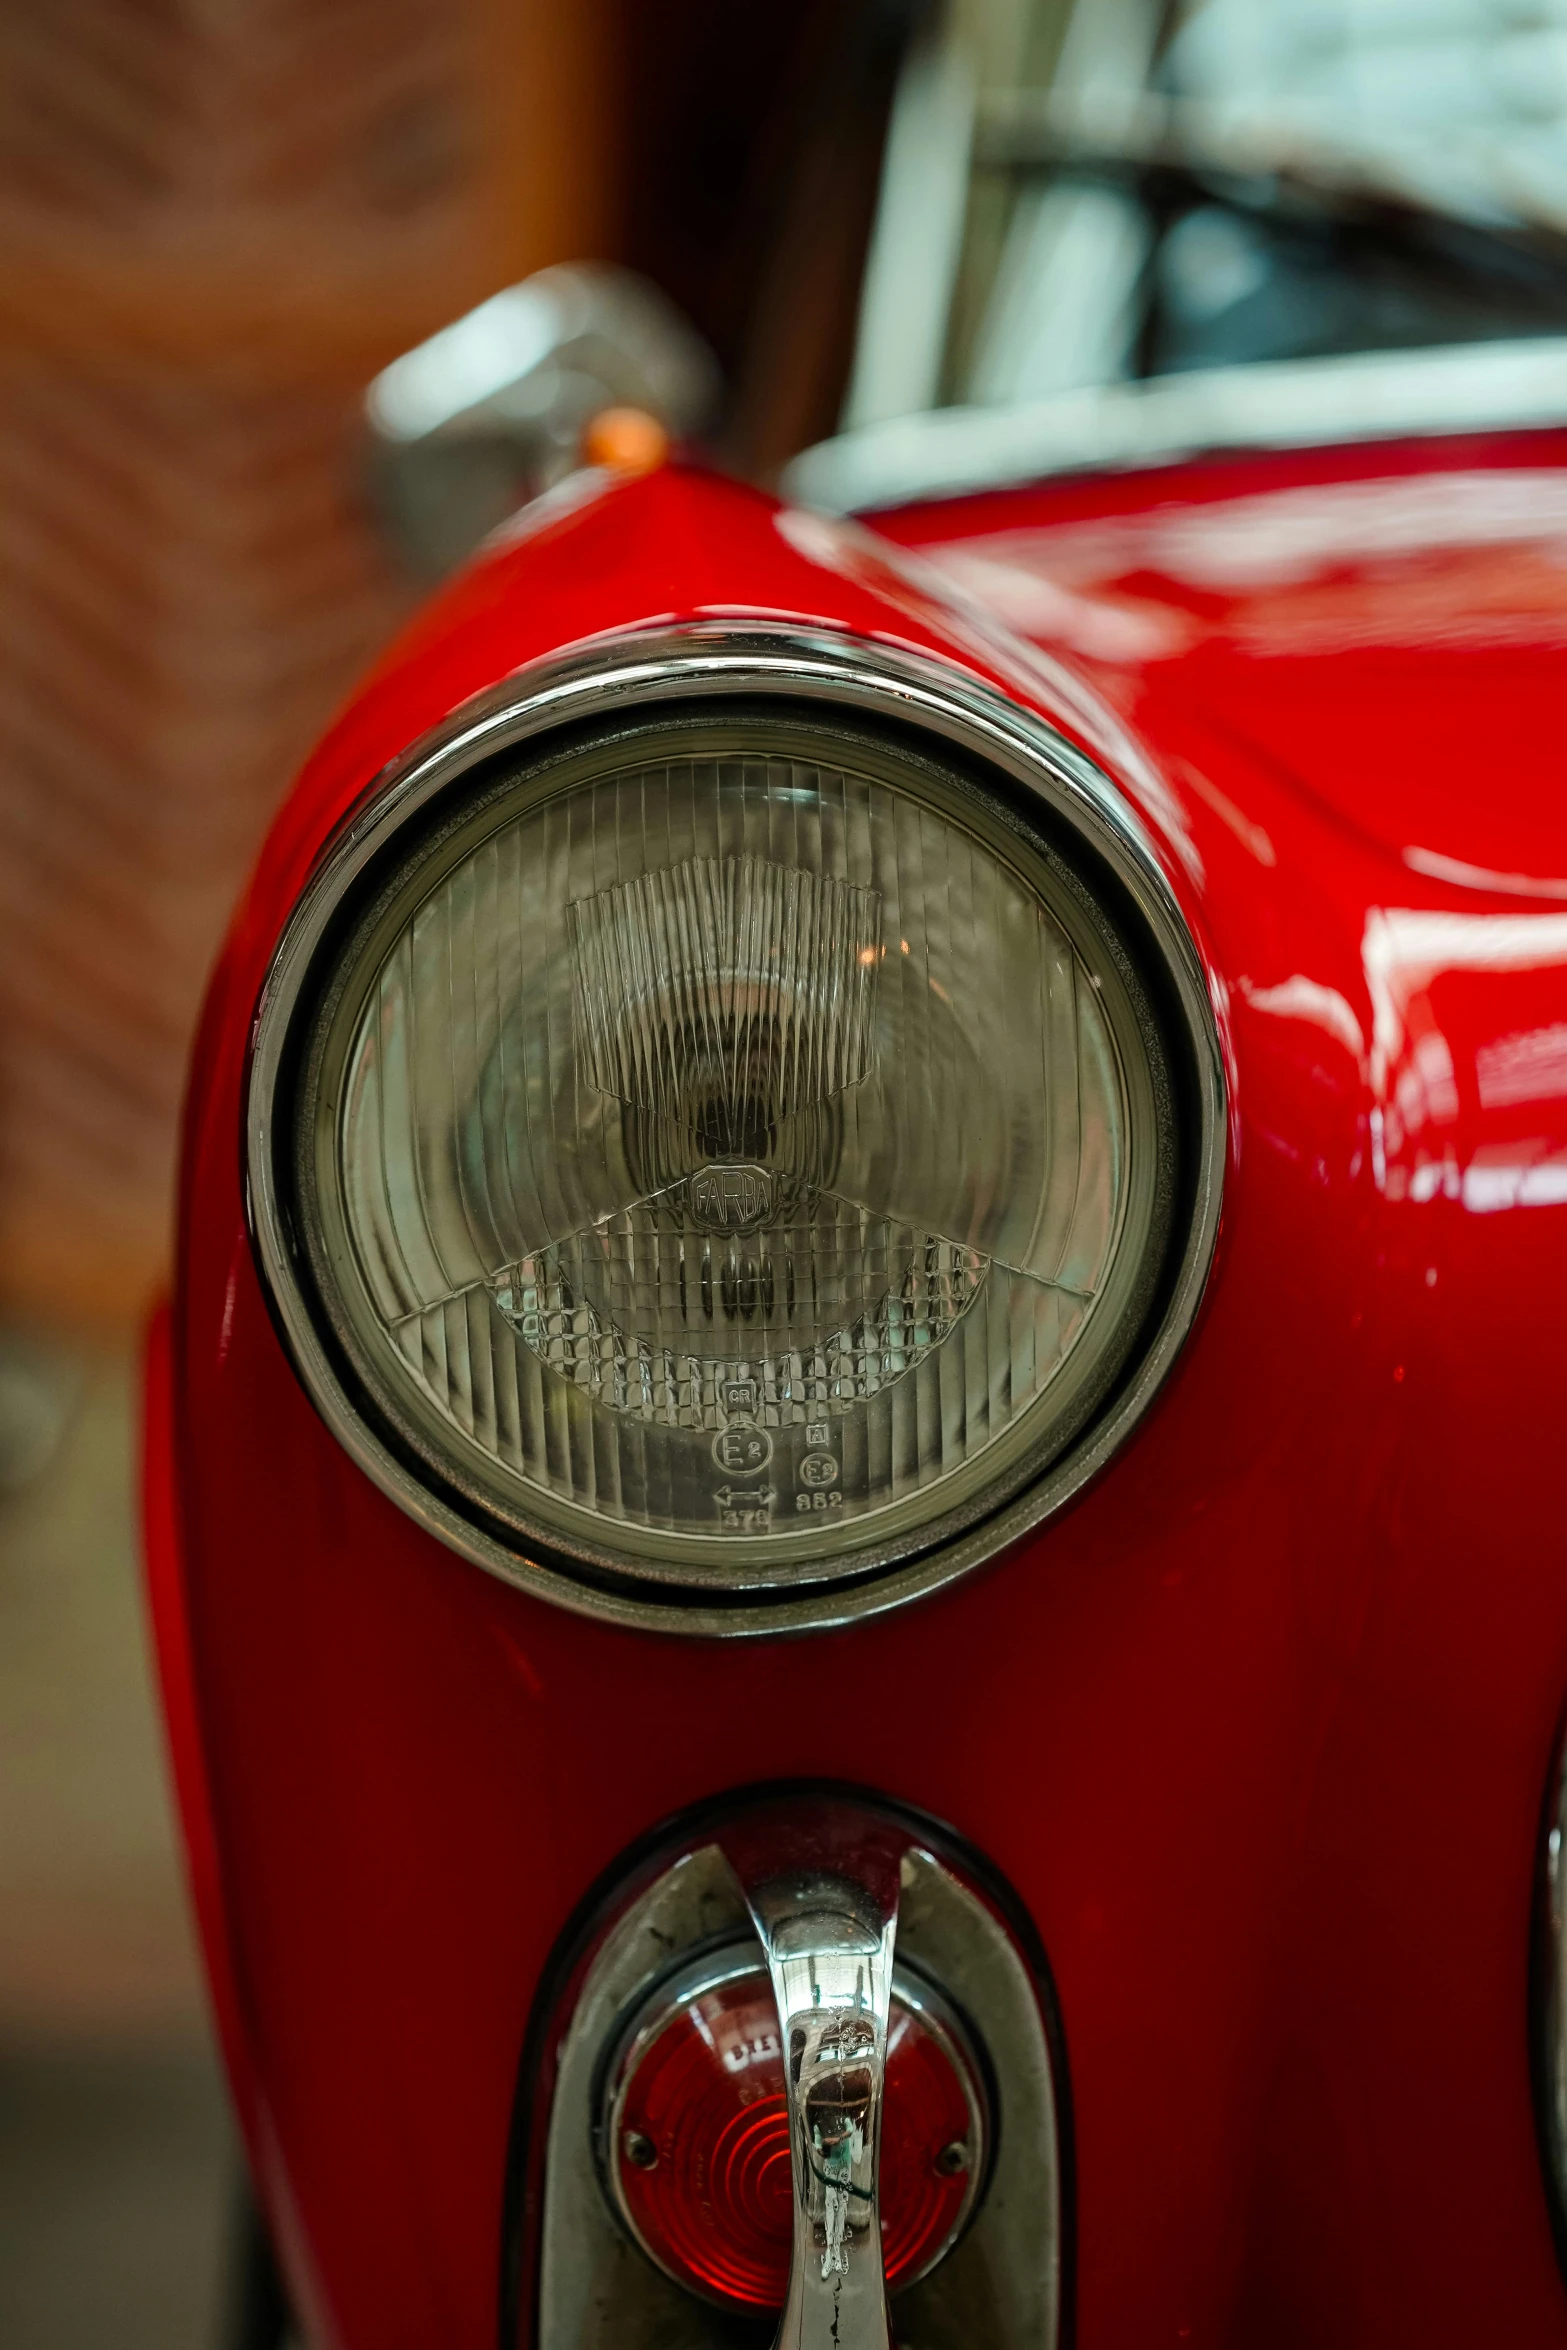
(827, 1932)
(829, 1952)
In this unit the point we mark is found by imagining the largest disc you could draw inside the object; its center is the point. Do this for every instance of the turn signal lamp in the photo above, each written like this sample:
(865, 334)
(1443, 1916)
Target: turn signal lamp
(696, 2137)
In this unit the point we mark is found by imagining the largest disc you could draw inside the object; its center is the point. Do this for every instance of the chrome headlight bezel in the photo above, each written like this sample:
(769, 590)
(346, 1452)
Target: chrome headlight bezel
(1051, 788)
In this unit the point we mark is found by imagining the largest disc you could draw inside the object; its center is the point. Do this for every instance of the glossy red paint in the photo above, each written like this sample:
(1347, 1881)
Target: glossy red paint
(1259, 1730)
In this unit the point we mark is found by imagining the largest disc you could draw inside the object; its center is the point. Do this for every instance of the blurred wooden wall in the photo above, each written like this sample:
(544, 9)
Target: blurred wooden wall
(217, 219)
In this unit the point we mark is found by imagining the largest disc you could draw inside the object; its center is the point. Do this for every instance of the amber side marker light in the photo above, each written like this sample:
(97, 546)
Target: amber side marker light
(696, 2133)
(625, 440)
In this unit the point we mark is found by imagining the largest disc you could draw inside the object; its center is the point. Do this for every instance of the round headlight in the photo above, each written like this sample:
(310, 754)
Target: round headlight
(730, 1148)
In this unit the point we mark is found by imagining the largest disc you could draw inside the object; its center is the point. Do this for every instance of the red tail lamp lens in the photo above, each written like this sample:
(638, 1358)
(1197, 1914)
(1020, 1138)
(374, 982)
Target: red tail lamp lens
(698, 2149)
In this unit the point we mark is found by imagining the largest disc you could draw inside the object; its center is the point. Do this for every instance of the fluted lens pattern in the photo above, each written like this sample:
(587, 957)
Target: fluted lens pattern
(701, 2145)
(728, 1152)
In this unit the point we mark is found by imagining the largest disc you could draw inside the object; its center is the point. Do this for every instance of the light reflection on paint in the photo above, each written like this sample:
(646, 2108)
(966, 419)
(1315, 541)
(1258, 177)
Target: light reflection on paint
(1418, 1151)
(1530, 1066)
(1300, 998)
(1445, 558)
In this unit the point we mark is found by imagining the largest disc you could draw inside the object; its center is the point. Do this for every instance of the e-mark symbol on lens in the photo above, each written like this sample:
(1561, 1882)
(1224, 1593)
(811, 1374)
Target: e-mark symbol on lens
(742, 1451)
(818, 1468)
(730, 1199)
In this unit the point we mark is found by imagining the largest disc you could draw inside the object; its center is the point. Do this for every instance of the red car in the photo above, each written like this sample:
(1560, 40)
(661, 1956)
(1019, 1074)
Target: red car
(855, 1491)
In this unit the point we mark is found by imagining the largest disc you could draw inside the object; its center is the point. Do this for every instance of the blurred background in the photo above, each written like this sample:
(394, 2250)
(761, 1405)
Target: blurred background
(220, 222)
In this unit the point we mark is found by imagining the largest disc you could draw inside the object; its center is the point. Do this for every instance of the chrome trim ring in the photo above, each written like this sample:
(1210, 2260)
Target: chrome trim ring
(642, 670)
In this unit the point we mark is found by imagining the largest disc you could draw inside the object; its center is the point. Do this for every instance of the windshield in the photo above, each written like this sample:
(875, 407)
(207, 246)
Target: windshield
(1122, 190)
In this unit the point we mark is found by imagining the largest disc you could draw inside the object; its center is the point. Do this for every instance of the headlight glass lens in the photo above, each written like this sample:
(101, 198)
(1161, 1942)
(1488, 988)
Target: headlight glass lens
(733, 1146)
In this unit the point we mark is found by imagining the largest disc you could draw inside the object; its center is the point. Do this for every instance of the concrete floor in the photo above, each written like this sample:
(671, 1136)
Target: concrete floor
(116, 2160)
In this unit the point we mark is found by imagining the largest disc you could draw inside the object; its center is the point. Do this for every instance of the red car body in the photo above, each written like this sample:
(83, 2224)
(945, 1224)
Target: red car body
(1258, 1730)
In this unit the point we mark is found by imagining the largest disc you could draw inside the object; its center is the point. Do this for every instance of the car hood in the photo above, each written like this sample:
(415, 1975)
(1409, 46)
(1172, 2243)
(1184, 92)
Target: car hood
(1386, 630)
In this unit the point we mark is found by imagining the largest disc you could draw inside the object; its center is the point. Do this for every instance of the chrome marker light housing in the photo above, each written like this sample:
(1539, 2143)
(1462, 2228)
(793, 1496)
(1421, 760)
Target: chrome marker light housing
(736, 1129)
